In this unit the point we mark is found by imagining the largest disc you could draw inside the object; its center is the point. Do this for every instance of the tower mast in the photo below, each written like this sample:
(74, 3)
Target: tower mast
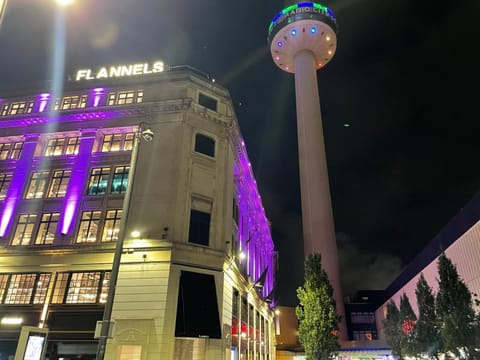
(302, 39)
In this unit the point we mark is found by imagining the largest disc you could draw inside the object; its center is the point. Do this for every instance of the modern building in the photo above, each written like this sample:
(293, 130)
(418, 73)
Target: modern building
(198, 263)
(302, 39)
(460, 240)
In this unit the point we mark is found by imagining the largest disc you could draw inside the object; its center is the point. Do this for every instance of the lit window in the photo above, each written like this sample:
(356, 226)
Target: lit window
(130, 352)
(128, 143)
(105, 286)
(58, 295)
(73, 144)
(62, 146)
(74, 102)
(59, 183)
(83, 288)
(20, 289)
(111, 226)
(10, 150)
(98, 181)
(47, 229)
(204, 145)
(38, 184)
(120, 180)
(5, 180)
(24, 229)
(3, 284)
(117, 142)
(17, 108)
(88, 227)
(5, 109)
(125, 97)
(43, 280)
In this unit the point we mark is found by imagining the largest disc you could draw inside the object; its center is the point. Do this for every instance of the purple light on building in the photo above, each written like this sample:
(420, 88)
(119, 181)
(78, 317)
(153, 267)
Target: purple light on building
(97, 95)
(19, 178)
(77, 181)
(43, 101)
(255, 237)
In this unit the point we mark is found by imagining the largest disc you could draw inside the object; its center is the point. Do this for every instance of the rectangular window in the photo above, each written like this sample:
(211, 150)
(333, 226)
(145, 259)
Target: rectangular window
(125, 97)
(17, 108)
(62, 146)
(105, 286)
(55, 147)
(20, 289)
(59, 183)
(88, 230)
(362, 317)
(73, 144)
(83, 288)
(98, 181)
(38, 185)
(207, 101)
(199, 231)
(204, 145)
(43, 280)
(60, 289)
(120, 180)
(5, 180)
(47, 229)
(74, 102)
(5, 109)
(24, 229)
(3, 285)
(10, 150)
(117, 142)
(111, 226)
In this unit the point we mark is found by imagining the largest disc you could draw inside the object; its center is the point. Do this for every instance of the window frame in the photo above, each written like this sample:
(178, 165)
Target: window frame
(24, 220)
(58, 183)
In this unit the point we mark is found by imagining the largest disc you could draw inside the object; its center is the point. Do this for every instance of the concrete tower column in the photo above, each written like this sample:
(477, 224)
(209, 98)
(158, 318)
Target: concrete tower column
(317, 214)
(302, 39)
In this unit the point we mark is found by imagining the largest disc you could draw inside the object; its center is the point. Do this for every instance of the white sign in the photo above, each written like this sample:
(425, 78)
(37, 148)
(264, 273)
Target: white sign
(120, 71)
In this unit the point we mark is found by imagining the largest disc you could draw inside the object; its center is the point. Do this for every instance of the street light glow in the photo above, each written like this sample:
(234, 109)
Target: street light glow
(64, 2)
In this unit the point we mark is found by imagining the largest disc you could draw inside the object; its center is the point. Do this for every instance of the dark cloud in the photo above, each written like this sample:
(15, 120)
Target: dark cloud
(365, 270)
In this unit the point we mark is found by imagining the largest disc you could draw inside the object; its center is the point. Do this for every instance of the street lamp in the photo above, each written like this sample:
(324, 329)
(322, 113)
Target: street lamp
(143, 132)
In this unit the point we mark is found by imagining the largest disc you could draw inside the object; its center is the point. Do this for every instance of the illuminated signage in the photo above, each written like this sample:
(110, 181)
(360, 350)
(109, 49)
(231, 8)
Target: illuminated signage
(117, 71)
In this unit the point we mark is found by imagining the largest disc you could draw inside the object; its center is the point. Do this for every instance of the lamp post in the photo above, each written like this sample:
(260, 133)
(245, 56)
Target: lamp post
(147, 135)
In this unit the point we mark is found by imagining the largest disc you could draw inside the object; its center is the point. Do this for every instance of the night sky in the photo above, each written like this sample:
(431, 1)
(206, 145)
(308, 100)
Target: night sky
(399, 106)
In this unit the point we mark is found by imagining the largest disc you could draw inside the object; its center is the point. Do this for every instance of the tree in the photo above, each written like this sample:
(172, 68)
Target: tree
(408, 322)
(391, 328)
(316, 312)
(426, 327)
(454, 309)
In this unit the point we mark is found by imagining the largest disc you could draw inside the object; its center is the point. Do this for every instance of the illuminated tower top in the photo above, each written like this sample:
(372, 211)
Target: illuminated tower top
(302, 26)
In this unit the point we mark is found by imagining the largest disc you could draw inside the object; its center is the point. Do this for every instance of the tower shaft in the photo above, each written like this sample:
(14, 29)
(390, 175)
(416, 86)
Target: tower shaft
(317, 214)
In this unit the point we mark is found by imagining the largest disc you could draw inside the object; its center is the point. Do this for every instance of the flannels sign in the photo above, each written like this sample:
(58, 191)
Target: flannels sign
(120, 71)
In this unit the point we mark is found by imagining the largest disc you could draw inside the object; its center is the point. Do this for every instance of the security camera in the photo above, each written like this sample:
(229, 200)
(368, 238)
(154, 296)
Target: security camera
(147, 135)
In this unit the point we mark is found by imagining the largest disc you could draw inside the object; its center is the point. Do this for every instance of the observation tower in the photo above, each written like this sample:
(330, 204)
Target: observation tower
(302, 39)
